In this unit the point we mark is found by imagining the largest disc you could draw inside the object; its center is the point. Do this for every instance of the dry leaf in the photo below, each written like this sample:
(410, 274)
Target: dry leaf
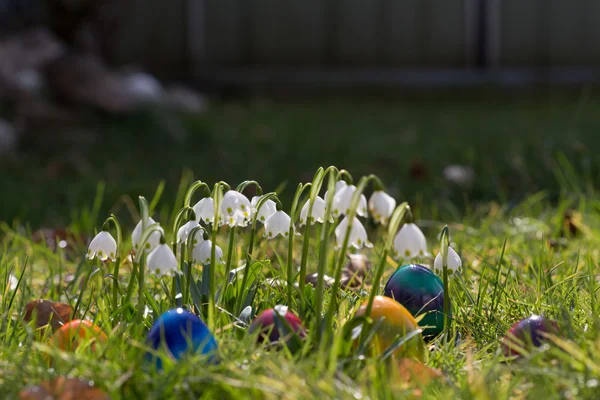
(48, 311)
(63, 389)
(410, 370)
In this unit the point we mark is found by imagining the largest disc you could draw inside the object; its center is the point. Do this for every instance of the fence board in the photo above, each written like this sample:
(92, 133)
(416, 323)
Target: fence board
(445, 45)
(289, 32)
(566, 26)
(347, 33)
(399, 22)
(356, 41)
(223, 31)
(518, 33)
(592, 32)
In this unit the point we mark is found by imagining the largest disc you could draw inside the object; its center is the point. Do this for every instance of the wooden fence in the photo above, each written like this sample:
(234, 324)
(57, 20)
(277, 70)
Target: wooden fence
(184, 36)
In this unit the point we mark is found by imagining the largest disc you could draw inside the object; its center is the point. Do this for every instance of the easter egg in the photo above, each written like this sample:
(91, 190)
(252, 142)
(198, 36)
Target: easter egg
(395, 323)
(180, 332)
(420, 291)
(527, 333)
(271, 331)
(74, 333)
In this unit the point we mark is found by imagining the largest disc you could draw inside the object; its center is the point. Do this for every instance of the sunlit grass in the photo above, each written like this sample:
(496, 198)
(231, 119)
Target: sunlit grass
(518, 261)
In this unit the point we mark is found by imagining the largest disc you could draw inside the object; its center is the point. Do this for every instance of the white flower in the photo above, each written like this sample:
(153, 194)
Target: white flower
(202, 253)
(381, 206)
(205, 210)
(198, 237)
(454, 262)
(162, 261)
(236, 208)
(153, 239)
(318, 212)
(410, 242)
(103, 246)
(185, 230)
(343, 198)
(236, 219)
(278, 224)
(339, 185)
(266, 210)
(358, 234)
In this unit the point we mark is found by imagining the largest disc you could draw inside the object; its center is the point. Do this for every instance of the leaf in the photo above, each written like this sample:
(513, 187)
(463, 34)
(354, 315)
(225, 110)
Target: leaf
(46, 311)
(63, 389)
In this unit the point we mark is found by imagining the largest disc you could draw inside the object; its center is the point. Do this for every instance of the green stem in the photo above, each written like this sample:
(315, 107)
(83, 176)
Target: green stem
(242, 292)
(229, 259)
(444, 244)
(113, 219)
(190, 192)
(174, 278)
(305, 244)
(188, 282)
(446, 303)
(341, 259)
(141, 299)
(217, 195)
(333, 173)
(291, 240)
(115, 294)
(212, 281)
(184, 285)
(131, 283)
(241, 296)
(397, 219)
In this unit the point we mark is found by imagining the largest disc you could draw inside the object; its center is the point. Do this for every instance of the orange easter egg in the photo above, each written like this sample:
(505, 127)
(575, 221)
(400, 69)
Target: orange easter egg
(77, 332)
(396, 322)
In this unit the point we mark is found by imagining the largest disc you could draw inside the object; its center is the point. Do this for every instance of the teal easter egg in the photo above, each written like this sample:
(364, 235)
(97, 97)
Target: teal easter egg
(422, 293)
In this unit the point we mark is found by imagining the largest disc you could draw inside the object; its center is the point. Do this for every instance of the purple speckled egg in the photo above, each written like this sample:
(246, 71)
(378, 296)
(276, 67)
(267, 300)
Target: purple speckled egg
(526, 333)
(270, 330)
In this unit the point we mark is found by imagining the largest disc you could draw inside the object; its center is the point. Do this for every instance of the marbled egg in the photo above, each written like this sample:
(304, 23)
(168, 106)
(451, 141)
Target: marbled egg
(269, 330)
(527, 333)
(180, 332)
(396, 322)
(422, 292)
(72, 334)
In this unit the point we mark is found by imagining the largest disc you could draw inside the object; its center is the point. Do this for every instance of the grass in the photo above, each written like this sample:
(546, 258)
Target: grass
(511, 140)
(534, 161)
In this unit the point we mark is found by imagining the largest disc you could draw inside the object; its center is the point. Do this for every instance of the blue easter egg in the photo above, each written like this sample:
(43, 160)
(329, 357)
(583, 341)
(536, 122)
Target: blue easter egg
(421, 292)
(180, 332)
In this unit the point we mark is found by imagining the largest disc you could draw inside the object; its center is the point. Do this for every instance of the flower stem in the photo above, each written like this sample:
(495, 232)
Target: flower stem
(131, 283)
(113, 219)
(229, 259)
(291, 239)
(141, 305)
(174, 279)
(212, 281)
(115, 294)
(398, 218)
(444, 244)
(217, 195)
(333, 174)
(446, 302)
(302, 280)
(241, 295)
(190, 192)
(184, 284)
(341, 258)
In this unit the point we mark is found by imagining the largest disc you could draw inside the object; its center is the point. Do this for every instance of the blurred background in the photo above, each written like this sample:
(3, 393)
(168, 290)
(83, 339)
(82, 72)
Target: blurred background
(453, 103)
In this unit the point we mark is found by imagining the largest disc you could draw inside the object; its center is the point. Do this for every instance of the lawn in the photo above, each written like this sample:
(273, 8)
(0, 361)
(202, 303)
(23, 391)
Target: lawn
(527, 230)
